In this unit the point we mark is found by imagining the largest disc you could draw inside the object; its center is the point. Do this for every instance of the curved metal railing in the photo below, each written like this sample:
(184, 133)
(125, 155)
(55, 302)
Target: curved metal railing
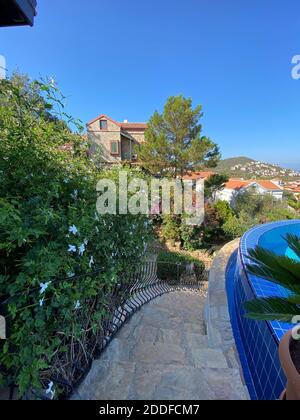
(150, 280)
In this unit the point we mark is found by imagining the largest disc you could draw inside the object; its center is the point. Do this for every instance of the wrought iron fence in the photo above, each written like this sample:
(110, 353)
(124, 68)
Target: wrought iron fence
(150, 280)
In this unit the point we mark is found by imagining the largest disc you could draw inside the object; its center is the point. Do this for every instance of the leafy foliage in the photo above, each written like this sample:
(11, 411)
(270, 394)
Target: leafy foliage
(195, 237)
(48, 185)
(280, 270)
(171, 228)
(174, 144)
(251, 209)
(235, 226)
(214, 184)
(171, 265)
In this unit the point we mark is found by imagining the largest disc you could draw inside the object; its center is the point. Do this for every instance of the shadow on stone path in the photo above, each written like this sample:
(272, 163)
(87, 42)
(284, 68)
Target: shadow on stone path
(162, 353)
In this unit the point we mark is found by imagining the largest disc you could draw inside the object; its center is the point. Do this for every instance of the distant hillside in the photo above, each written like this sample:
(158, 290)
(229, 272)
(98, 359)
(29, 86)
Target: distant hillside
(227, 164)
(244, 167)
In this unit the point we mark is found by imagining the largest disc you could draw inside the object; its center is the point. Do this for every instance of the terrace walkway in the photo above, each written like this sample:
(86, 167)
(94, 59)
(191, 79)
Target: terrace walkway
(162, 353)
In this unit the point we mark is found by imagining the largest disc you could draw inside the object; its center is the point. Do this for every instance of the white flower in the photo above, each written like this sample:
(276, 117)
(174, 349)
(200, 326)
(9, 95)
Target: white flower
(66, 181)
(73, 229)
(72, 248)
(50, 390)
(42, 302)
(86, 242)
(44, 287)
(81, 250)
(92, 262)
(71, 274)
(77, 305)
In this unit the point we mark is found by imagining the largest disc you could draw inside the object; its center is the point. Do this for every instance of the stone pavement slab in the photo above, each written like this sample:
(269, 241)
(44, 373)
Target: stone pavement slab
(163, 353)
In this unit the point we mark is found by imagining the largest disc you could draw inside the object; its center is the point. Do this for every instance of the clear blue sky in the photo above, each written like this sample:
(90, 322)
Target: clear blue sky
(124, 58)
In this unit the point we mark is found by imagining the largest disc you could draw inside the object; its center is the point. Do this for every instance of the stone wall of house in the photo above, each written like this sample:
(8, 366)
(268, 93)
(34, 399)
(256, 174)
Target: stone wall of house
(102, 139)
(138, 135)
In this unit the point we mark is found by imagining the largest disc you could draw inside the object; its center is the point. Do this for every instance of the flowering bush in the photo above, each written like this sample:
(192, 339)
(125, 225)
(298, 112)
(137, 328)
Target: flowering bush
(51, 238)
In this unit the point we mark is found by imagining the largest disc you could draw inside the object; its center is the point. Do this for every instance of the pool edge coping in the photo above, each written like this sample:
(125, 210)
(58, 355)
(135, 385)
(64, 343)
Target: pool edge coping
(217, 317)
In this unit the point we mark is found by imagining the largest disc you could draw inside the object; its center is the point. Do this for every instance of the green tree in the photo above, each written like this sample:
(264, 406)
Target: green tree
(251, 202)
(236, 226)
(214, 184)
(224, 210)
(171, 228)
(174, 144)
(262, 207)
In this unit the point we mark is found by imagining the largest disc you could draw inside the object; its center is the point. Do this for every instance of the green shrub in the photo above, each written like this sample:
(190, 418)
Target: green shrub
(191, 236)
(236, 226)
(50, 233)
(224, 211)
(170, 230)
(171, 265)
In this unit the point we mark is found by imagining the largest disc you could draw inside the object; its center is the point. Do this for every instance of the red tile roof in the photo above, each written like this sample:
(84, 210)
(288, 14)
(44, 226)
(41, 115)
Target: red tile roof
(237, 184)
(124, 125)
(198, 175)
(293, 189)
(133, 126)
(103, 116)
(268, 185)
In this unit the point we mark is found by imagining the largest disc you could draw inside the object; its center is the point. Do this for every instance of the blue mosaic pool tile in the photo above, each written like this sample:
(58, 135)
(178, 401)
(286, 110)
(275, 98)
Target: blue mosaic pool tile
(257, 342)
(260, 287)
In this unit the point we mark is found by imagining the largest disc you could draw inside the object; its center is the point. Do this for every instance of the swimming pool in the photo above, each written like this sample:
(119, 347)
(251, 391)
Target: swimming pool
(257, 342)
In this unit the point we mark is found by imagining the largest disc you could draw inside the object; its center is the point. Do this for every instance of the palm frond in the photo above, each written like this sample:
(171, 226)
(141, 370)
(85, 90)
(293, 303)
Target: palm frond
(272, 309)
(294, 243)
(280, 270)
(294, 299)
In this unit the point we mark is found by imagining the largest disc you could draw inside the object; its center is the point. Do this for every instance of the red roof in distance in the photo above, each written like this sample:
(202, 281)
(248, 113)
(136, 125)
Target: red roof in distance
(197, 175)
(237, 184)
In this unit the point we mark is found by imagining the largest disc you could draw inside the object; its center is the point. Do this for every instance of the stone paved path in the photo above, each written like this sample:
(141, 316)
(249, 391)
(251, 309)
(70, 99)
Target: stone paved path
(162, 353)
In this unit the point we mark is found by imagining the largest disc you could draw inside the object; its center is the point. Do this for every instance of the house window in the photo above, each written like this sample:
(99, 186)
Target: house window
(103, 124)
(114, 147)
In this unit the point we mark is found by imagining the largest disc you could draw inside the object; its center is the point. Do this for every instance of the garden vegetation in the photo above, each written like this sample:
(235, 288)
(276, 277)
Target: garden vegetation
(61, 262)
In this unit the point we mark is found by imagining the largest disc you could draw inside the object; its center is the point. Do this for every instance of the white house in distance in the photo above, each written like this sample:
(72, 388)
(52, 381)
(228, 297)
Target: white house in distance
(235, 186)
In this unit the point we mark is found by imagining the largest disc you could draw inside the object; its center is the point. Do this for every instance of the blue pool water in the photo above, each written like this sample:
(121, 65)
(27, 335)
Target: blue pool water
(257, 342)
(291, 254)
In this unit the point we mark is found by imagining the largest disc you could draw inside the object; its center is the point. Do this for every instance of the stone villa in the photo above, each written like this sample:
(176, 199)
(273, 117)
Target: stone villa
(117, 141)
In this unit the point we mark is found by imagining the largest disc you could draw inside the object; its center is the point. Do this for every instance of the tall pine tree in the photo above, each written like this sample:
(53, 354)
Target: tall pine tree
(174, 144)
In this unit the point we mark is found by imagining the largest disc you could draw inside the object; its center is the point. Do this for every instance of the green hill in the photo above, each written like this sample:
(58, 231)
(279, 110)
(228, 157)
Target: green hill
(244, 167)
(227, 164)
